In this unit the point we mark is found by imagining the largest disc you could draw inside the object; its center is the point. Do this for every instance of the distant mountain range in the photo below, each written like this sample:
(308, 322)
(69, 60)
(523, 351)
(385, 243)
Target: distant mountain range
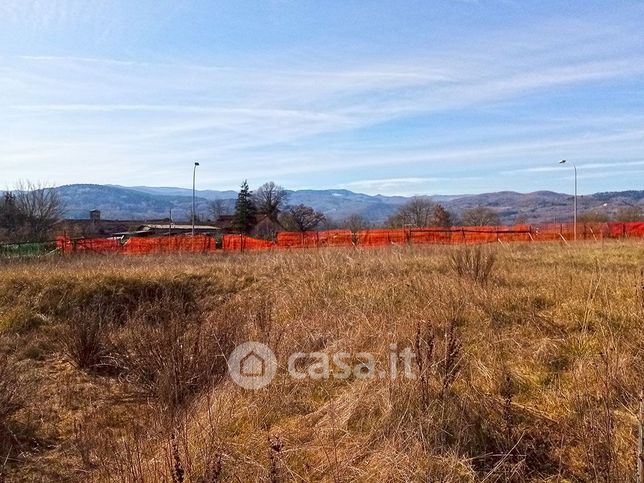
(146, 203)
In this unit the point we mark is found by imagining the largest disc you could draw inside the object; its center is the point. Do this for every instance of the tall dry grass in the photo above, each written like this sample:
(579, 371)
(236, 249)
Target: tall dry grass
(528, 360)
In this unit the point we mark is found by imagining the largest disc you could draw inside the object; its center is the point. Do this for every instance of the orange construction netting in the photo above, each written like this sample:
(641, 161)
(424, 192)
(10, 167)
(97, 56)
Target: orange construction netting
(335, 238)
(626, 230)
(170, 244)
(315, 239)
(375, 238)
(307, 239)
(243, 242)
(138, 245)
(98, 245)
(365, 238)
(423, 236)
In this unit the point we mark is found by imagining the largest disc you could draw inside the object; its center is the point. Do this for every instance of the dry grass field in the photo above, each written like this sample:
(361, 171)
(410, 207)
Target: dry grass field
(529, 363)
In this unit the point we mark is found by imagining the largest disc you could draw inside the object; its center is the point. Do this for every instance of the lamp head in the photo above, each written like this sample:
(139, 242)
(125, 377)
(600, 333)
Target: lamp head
(196, 164)
(562, 161)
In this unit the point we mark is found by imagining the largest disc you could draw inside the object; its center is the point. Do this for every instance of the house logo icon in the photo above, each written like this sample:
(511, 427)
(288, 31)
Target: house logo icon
(252, 365)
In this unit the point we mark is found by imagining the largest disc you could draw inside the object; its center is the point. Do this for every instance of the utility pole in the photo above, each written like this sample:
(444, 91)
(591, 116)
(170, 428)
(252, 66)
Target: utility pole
(563, 161)
(194, 202)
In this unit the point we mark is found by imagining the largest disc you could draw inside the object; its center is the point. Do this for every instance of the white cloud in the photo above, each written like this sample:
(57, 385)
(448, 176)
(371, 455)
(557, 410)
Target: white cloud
(581, 166)
(301, 117)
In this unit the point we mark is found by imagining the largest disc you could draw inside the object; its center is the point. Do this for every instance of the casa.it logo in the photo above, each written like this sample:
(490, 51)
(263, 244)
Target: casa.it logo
(252, 365)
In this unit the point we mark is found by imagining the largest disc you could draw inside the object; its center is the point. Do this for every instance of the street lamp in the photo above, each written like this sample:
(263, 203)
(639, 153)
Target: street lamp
(194, 178)
(563, 161)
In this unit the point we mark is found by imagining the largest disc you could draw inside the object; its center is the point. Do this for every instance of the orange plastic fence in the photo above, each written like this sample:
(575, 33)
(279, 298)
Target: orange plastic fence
(99, 245)
(167, 244)
(430, 236)
(297, 240)
(314, 239)
(242, 242)
(170, 244)
(589, 231)
(635, 229)
(365, 238)
(374, 238)
(626, 230)
(335, 238)
(416, 236)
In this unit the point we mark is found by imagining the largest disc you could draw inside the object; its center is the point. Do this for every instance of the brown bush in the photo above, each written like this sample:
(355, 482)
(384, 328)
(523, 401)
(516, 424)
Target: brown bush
(476, 263)
(85, 338)
(173, 357)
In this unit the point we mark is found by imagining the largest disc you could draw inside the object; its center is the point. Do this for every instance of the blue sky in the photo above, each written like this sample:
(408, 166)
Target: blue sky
(391, 97)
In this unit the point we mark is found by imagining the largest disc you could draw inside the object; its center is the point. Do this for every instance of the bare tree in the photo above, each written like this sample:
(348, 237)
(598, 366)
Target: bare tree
(630, 213)
(441, 217)
(39, 206)
(521, 219)
(11, 220)
(355, 223)
(219, 208)
(418, 211)
(302, 218)
(480, 216)
(593, 217)
(328, 223)
(270, 199)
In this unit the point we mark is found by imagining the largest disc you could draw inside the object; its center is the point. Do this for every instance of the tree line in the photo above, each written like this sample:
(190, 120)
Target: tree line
(420, 211)
(271, 200)
(29, 212)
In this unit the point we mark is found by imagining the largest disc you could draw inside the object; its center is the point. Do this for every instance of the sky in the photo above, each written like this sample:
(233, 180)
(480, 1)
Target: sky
(380, 97)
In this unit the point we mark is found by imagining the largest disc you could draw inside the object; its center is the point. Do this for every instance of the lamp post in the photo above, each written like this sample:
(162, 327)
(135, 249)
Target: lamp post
(563, 161)
(194, 204)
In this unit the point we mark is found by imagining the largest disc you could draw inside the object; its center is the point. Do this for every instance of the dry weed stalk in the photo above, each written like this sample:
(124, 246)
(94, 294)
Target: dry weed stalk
(451, 363)
(424, 360)
(12, 392)
(600, 421)
(276, 446)
(507, 393)
(83, 445)
(641, 289)
(640, 442)
(178, 471)
(214, 470)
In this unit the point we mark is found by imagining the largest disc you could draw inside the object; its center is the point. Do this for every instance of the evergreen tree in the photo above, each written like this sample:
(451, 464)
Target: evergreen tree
(245, 211)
